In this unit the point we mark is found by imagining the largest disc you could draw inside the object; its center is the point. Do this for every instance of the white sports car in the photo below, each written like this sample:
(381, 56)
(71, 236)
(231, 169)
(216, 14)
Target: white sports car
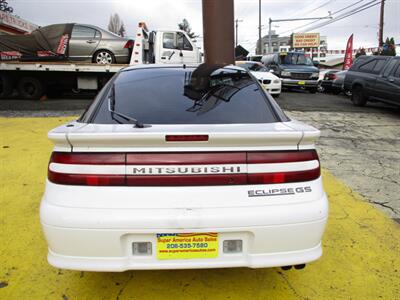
(268, 80)
(203, 171)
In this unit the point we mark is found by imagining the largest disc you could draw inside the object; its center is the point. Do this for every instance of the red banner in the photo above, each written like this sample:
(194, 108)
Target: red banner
(348, 57)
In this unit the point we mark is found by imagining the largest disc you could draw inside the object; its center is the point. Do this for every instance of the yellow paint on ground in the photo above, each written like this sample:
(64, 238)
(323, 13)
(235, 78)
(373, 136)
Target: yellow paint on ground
(361, 257)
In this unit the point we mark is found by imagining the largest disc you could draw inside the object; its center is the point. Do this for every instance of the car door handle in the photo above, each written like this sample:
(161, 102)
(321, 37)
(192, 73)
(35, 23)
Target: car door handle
(391, 80)
(90, 42)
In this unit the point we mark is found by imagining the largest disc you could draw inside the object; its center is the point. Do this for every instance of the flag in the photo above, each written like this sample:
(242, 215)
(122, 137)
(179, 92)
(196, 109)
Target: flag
(348, 57)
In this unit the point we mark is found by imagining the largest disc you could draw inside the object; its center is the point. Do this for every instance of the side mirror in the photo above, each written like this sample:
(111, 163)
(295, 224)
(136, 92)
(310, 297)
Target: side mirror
(271, 71)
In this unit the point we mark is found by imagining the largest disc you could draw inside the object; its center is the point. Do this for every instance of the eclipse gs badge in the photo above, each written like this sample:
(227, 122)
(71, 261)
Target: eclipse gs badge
(279, 192)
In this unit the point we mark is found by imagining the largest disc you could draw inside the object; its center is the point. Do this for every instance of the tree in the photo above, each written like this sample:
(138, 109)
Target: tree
(360, 51)
(185, 26)
(389, 47)
(116, 25)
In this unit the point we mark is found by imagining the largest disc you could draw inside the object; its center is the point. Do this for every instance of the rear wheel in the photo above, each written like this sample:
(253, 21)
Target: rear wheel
(103, 57)
(6, 86)
(30, 88)
(313, 90)
(358, 98)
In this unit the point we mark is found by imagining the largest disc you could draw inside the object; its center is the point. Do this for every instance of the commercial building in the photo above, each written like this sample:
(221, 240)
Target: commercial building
(12, 24)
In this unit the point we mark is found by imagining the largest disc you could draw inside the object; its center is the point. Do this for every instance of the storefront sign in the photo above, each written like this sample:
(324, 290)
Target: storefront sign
(15, 22)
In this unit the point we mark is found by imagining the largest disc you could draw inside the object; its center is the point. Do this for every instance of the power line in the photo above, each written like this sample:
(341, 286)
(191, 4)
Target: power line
(348, 14)
(313, 22)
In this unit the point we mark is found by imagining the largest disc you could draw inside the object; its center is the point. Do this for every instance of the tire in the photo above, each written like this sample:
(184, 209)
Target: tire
(358, 98)
(30, 88)
(336, 92)
(103, 57)
(313, 90)
(6, 86)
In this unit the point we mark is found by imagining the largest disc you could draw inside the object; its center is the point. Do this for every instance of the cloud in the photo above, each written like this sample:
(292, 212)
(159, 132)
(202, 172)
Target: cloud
(168, 13)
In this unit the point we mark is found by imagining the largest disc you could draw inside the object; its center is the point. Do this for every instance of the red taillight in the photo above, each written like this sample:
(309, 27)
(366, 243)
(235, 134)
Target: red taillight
(129, 44)
(186, 138)
(332, 76)
(183, 169)
(281, 156)
(283, 177)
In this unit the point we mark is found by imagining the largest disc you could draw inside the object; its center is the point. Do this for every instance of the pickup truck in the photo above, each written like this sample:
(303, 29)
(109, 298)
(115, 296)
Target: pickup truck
(374, 78)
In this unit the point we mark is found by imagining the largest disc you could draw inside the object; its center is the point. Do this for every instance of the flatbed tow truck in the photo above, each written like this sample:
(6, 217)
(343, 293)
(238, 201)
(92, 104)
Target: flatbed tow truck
(34, 80)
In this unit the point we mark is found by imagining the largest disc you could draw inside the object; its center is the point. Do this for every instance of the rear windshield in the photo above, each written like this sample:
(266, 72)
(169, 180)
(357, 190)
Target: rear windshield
(185, 96)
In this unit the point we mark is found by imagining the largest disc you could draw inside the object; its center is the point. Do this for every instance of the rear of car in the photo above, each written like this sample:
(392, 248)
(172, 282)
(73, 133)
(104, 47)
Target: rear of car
(179, 167)
(327, 82)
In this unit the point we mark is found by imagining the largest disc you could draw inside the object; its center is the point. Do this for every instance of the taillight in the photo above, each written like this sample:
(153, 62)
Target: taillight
(183, 169)
(186, 138)
(129, 44)
(332, 76)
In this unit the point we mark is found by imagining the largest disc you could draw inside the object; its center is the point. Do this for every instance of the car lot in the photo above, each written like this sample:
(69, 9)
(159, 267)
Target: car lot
(358, 150)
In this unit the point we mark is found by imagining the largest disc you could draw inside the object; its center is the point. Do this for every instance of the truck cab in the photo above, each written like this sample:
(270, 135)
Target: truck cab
(295, 68)
(164, 47)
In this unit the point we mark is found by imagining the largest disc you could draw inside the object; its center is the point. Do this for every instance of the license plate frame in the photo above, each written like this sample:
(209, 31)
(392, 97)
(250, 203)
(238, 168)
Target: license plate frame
(171, 246)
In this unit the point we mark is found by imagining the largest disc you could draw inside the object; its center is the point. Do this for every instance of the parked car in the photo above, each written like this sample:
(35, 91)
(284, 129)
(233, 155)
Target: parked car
(374, 78)
(268, 80)
(176, 167)
(338, 83)
(295, 68)
(326, 82)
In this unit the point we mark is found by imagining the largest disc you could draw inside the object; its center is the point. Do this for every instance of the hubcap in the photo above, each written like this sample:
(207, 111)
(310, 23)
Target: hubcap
(104, 58)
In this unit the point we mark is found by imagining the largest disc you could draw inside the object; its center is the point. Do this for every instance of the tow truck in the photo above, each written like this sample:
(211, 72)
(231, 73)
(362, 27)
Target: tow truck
(34, 80)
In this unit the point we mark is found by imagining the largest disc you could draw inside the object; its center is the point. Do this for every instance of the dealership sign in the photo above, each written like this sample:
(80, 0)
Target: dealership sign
(305, 40)
(9, 20)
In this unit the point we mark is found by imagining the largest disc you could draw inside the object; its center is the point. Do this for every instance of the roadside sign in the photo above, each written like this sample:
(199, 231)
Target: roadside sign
(306, 40)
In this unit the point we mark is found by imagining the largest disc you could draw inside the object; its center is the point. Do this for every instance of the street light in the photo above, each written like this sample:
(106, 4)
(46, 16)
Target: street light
(288, 20)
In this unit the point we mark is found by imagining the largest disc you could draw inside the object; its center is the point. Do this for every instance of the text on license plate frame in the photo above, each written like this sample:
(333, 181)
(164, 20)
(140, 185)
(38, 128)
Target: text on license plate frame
(187, 245)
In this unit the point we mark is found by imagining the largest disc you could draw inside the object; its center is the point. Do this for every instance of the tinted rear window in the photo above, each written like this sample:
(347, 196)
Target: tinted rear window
(182, 96)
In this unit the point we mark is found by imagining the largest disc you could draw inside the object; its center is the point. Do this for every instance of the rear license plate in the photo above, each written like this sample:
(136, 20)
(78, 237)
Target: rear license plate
(187, 245)
(301, 83)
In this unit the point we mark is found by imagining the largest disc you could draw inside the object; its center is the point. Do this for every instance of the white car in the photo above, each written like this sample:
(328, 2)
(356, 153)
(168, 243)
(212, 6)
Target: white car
(271, 83)
(203, 171)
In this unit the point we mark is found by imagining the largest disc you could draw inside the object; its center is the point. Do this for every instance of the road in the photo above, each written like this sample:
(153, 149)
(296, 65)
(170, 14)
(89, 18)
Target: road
(359, 145)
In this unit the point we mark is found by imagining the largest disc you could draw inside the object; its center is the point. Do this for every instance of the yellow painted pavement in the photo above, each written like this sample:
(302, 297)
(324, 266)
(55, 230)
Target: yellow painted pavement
(361, 257)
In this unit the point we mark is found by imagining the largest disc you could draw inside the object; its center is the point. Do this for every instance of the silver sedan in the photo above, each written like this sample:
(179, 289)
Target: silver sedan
(91, 43)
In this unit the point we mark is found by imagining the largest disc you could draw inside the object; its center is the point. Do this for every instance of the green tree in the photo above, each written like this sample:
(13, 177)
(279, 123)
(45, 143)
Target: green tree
(389, 47)
(185, 26)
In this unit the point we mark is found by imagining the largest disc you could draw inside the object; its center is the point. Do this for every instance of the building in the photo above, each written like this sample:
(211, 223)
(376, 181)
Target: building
(12, 24)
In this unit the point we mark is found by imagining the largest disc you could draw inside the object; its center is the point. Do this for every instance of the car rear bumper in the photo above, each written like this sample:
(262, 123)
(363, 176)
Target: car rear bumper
(103, 240)
(287, 82)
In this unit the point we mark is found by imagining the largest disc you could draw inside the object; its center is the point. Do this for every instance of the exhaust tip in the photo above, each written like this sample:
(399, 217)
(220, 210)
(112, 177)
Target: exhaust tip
(286, 268)
(299, 267)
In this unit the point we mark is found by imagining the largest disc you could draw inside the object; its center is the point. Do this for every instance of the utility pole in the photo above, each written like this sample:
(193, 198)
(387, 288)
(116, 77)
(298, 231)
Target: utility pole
(259, 28)
(381, 23)
(237, 27)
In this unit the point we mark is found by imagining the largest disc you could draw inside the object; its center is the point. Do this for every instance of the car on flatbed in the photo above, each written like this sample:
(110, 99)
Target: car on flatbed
(374, 78)
(177, 167)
